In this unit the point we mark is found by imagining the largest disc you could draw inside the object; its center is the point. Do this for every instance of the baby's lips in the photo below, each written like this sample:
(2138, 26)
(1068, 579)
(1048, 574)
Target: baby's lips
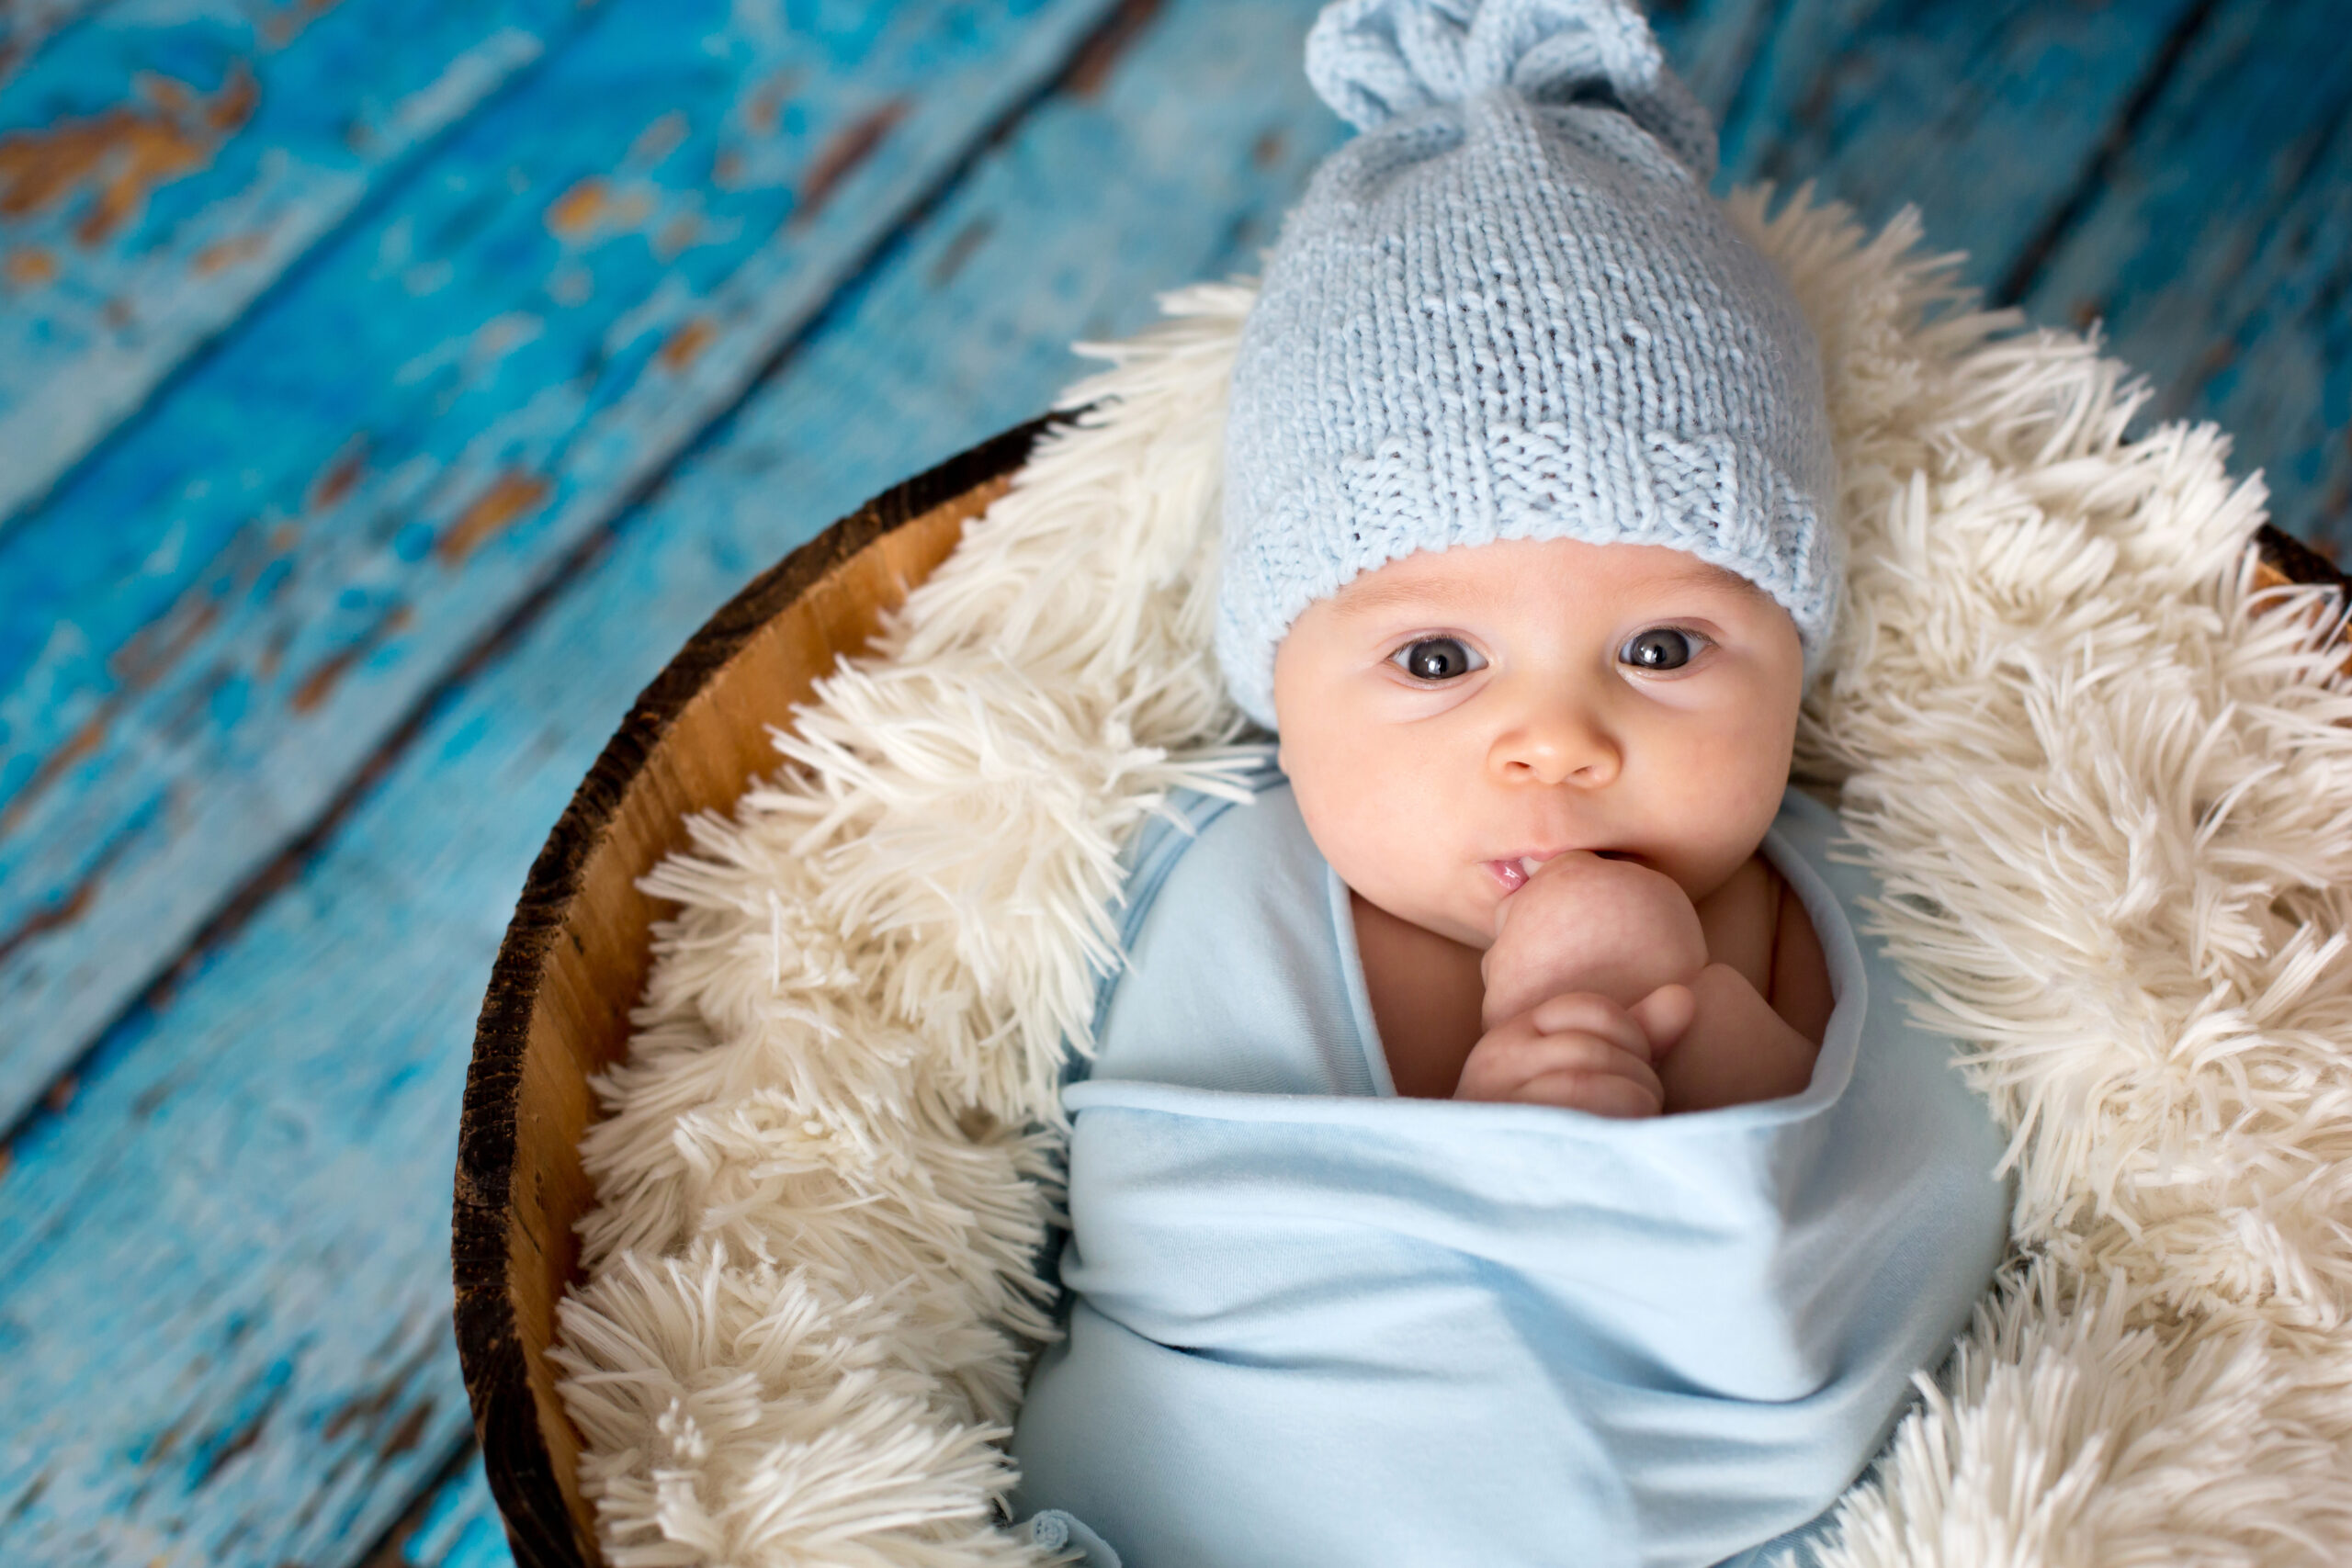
(1516, 872)
(1512, 879)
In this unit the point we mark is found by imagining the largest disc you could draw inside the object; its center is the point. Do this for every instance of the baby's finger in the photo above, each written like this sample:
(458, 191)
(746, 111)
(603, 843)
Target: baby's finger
(1598, 1094)
(1502, 1064)
(1591, 1013)
(1666, 1016)
(1601, 1062)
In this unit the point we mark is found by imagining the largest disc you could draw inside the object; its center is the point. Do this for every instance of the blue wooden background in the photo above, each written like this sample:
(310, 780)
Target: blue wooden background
(388, 388)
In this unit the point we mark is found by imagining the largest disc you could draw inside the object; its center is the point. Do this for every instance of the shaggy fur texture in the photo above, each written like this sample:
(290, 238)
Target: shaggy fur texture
(2109, 792)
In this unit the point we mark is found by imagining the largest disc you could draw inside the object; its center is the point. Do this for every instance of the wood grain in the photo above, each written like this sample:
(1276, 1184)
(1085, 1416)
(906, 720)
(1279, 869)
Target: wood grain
(160, 169)
(258, 579)
(2174, 169)
(2217, 250)
(26, 25)
(1984, 116)
(452, 1524)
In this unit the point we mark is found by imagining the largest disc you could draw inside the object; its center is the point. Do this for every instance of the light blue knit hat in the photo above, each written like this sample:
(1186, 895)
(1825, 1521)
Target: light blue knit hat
(1510, 310)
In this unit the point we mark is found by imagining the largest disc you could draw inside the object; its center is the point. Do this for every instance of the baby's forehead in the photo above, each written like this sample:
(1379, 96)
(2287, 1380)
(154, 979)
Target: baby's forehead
(1428, 577)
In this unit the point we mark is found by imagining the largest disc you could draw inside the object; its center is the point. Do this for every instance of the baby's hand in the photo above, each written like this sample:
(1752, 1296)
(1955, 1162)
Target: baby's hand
(1585, 923)
(1582, 1051)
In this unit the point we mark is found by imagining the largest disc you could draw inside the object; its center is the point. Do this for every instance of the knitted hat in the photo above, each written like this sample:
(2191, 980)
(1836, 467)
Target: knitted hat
(1509, 310)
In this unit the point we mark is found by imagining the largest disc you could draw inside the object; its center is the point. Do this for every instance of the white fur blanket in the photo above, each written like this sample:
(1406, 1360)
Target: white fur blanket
(2110, 798)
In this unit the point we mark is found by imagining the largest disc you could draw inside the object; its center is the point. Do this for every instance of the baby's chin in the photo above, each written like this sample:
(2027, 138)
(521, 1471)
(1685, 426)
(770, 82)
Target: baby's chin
(1470, 926)
(1445, 914)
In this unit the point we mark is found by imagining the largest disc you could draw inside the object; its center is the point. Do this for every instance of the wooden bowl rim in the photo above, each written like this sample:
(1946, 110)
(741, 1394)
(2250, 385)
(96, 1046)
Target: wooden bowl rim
(538, 1518)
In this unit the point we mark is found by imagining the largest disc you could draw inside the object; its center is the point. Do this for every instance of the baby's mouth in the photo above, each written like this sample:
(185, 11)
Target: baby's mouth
(1513, 873)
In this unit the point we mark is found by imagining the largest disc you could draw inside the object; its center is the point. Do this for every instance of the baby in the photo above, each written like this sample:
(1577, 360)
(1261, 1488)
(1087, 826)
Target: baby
(1500, 1147)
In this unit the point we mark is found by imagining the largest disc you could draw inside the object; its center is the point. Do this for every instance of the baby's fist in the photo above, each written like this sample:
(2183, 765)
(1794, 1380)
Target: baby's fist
(1587, 923)
(1582, 1052)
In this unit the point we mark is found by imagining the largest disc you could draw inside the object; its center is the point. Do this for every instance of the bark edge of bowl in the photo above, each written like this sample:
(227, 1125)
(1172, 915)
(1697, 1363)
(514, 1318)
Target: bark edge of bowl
(575, 955)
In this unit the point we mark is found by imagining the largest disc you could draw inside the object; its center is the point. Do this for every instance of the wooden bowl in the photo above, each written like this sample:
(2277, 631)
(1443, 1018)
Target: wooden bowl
(576, 955)
(577, 952)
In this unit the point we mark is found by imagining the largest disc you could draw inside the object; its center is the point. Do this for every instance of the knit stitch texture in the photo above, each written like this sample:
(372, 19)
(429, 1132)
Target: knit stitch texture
(1509, 310)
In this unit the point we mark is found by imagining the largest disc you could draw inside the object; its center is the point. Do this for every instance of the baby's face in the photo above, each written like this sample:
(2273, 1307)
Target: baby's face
(1450, 714)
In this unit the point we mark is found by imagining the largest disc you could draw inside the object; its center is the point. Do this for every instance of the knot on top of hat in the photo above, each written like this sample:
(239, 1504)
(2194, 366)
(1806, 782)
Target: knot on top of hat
(1375, 60)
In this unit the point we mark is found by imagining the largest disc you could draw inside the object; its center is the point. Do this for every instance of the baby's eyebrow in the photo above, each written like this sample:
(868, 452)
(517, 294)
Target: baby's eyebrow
(1361, 597)
(1723, 576)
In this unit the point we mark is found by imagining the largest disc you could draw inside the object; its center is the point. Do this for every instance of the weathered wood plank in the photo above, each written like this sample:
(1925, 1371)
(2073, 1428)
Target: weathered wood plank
(2219, 251)
(2176, 168)
(454, 1523)
(1714, 44)
(161, 165)
(26, 25)
(218, 1263)
(1984, 116)
(207, 628)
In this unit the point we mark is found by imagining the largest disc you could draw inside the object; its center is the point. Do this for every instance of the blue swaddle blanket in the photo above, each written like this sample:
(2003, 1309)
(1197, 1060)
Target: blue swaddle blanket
(1314, 1323)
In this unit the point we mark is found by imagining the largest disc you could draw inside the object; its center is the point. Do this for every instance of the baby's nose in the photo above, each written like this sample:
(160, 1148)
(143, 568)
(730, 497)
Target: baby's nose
(1558, 742)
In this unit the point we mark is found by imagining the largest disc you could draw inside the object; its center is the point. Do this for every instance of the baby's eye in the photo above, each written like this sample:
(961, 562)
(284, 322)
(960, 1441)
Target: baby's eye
(1660, 648)
(1436, 659)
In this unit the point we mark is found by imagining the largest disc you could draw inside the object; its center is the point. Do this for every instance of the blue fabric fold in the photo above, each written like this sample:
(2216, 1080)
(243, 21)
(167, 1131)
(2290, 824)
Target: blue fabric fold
(1314, 1323)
